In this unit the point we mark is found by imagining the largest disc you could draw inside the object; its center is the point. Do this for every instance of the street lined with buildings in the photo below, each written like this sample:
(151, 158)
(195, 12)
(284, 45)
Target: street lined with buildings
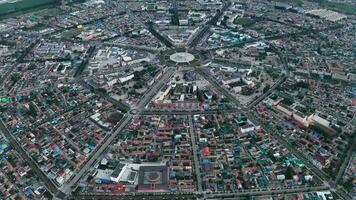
(177, 99)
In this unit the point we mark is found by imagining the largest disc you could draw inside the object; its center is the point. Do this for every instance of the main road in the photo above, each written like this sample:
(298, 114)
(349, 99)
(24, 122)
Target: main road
(69, 186)
(195, 150)
(199, 34)
(50, 185)
(237, 195)
(163, 39)
(26, 157)
(188, 112)
(256, 120)
(205, 195)
(347, 159)
(152, 91)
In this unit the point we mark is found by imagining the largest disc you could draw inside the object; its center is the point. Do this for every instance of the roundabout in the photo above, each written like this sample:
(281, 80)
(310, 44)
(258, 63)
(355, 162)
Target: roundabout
(182, 57)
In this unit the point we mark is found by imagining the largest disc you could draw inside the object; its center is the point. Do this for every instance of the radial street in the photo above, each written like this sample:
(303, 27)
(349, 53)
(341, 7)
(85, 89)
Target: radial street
(23, 153)
(68, 187)
(280, 138)
(184, 57)
(195, 153)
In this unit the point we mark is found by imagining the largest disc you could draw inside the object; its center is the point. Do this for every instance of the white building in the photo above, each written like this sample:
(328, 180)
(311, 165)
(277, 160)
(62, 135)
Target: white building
(126, 78)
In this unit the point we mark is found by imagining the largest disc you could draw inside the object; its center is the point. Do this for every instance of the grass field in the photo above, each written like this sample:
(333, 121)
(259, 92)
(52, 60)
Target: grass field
(23, 5)
(338, 7)
(296, 2)
(71, 33)
(244, 21)
(50, 12)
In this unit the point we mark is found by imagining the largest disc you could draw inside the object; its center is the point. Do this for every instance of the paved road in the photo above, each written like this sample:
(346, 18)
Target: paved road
(88, 54)
(139, 196)
(26, 51)
(175, 13)
(253, 40)
(135, 47)
(344, 165)
(241, 44)
(164, 40)
(68, 187)
(188, 112)
(256, 120)
(159, 36)
(50, 185)
(281, 80)
(195, 150)
(236, 195)
(231, 62)
(182, 196)
(118, 104)
(59, 29)
(11, 67)
(199, 34)
(264, 95)
(23, 153)
(152, 91)
(218, 86)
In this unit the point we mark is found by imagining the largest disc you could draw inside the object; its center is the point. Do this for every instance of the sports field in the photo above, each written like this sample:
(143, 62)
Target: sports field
(10, 6)
(7, 1)
(331, 5)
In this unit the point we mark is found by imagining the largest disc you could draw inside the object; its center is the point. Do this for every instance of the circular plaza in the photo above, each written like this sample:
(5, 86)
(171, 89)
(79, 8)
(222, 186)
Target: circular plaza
(182, 57)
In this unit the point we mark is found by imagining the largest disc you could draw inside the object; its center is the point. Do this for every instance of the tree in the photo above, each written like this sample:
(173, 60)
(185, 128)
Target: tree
(302, 84)
(101, 90)
(138, 84)
(15, 77)
(266, 88)
(200, 95)
(32, 66)
(215, 97)
(287, 101)
(246, 91)
(48, 195)
(289, 172)
(114, 117)
(32, 110)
